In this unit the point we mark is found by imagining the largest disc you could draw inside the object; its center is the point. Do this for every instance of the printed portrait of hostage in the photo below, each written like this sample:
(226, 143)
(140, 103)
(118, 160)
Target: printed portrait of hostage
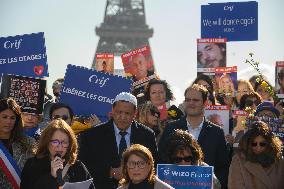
(211, 55)
(138, 64)
(141, 66)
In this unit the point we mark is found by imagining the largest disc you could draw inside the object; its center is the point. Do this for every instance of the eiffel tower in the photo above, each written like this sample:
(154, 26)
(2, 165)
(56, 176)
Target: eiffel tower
(124, 27)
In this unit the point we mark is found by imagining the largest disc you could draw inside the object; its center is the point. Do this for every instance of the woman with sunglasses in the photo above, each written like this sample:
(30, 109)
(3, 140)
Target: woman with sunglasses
(15, 147)
(259, 162)
(182, 149)
(251, 100)
(138, 170)
(57, 150)
(149, 115)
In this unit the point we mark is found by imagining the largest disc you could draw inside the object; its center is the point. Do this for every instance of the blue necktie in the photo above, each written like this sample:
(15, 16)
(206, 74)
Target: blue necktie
(122, 144)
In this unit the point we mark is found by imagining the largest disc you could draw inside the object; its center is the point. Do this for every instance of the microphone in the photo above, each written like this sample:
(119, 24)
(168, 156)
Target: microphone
(59, 173)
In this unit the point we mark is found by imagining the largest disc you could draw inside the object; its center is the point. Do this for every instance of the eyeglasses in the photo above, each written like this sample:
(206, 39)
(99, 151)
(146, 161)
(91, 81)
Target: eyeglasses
(261, 144)
(155, 113)
(56, 143)
(251, 102)
(133, 164)
(64, 117)
(180, 159)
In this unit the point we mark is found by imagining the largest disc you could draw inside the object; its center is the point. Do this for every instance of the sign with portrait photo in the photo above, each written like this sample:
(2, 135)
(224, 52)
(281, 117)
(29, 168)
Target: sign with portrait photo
(239, 122)
(138, 64)
(24, 55)
(88, 92)
(226, 79)
(211, 53)
(105, 63)
(27, 92)
(218, 114)
(236, 21)
(279, 79)
(186, 176)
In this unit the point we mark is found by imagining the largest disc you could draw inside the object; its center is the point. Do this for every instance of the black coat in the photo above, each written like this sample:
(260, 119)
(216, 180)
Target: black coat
(212, 142)
(36, 174)
(98, 150)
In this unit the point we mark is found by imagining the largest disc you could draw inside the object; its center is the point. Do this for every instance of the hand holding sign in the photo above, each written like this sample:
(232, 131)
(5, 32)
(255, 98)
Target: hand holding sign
(88, 92)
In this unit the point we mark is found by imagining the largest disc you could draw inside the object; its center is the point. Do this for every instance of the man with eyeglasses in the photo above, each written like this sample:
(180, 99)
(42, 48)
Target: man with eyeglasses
(209, 136)
(101, 147)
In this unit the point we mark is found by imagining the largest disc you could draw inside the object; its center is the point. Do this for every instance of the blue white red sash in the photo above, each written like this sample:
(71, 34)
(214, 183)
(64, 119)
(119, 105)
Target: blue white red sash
(9, 167)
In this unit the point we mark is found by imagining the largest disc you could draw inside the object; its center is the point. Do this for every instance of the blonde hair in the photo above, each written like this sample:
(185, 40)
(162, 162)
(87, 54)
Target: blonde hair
(143, 110)
(222, 88)
(58, 125)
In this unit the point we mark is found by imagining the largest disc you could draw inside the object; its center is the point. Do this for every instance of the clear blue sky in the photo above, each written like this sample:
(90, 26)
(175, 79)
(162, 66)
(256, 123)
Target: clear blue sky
(70, 37)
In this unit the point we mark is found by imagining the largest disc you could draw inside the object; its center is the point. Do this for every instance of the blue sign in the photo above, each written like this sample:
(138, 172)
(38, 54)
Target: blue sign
(186, 176)
(90, 92)
(24, 55)
(236, 21)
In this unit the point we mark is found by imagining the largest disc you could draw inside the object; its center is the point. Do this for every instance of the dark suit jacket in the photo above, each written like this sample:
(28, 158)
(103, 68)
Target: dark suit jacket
(36, 174)
(212, 142)
(98, 150)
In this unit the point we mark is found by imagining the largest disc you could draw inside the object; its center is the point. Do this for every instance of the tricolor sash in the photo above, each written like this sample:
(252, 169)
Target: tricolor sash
(9, 167)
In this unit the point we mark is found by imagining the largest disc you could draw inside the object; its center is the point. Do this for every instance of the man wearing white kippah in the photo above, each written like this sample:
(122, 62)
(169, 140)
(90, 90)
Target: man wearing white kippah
(101, 147)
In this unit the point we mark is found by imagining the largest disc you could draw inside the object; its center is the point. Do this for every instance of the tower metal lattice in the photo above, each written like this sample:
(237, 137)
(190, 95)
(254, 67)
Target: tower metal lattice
(124, 27)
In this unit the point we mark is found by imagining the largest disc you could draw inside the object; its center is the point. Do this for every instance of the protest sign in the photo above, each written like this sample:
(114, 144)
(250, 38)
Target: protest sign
(219, 115)
(239, 122)
(279, 79)
(226, 79)
(236, 21)
(88, 92)
(276, 125)
(105, 63)
(24, 55)
(211, 53)
(138, 63)
(186, 176)
(27, 92)
(119, 72)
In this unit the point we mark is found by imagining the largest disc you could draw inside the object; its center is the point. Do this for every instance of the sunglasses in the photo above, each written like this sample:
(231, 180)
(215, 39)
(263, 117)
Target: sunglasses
(155, 113)
(251, 102)
(180, 159)
(64, 117)
(261, 144)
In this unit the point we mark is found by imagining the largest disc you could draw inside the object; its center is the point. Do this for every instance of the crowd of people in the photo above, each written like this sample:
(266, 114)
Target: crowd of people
(124, 151)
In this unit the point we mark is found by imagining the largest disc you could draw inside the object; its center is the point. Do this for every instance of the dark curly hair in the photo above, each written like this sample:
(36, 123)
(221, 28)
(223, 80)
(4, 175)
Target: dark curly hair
(169, 93)
(208, 80)
(246, 96)
(273, 150)
(181, 140)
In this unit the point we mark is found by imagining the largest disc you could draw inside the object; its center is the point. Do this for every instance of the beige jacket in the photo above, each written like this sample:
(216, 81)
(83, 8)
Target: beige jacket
(158, 185)
(247, 175)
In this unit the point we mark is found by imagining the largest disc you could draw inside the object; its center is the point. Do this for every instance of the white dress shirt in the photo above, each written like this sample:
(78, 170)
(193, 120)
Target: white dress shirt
(195, 131)
(118, 136)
